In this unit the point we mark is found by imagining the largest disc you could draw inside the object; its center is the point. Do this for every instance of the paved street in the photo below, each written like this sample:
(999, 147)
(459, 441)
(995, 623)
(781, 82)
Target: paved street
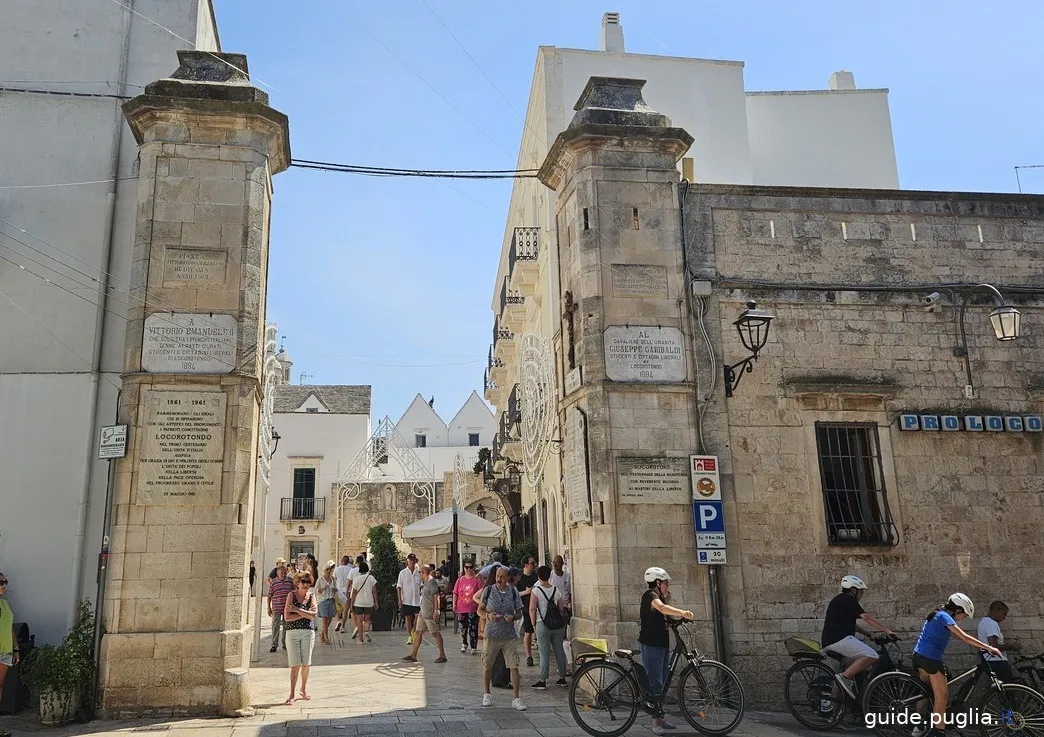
(369, 690)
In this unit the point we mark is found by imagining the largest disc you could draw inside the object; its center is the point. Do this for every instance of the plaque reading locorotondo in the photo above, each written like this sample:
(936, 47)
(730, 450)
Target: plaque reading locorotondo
(537, 387)
(460, 481)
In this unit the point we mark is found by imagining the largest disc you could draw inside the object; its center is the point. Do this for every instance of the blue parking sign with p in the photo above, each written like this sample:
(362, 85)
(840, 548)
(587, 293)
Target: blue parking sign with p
(708, 517)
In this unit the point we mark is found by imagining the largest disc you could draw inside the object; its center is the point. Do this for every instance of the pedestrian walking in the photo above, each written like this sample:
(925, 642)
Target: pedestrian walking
(430, 597)
(364, 599)
(341, 576)
(501, 607)
(526, 581)
(408, 588)
(466, 608)
(9, 652)
(299, 611)
(325, 593)
(252, 576)
(546, 611)
(278, 590)
(563, 581)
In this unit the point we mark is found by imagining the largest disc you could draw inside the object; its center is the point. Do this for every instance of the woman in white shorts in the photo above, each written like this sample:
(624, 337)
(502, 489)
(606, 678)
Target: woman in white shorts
(8, 644)
(298, 613)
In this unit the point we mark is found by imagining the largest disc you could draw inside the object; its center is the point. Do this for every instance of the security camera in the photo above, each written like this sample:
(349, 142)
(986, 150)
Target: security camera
(930, 299)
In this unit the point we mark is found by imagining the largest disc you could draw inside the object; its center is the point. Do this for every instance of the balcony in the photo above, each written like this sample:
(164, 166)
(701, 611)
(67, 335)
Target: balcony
(495, 380)
(510, 433)
(302, 508)
(512, 307)
(523, 269)
(503, 342)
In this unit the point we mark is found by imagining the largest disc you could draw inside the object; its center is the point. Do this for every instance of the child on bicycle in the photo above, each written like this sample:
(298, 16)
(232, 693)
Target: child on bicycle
(939, 626)
(654, 637)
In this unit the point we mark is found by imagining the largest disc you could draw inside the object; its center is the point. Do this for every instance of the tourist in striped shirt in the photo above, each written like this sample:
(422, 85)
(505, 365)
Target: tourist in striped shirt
(278, 590)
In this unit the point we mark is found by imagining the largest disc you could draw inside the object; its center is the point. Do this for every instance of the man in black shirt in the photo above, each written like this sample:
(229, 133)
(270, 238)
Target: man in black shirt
(526, 582)
(839, 628)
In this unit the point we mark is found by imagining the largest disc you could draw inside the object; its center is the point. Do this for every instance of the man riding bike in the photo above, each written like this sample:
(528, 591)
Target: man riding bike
(839, 628)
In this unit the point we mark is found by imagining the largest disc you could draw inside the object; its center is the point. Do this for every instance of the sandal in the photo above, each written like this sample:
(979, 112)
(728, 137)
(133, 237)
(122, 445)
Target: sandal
(289, 701)
(305, 697)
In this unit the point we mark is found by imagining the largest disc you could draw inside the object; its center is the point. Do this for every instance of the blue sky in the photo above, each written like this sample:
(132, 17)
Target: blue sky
(389, 281)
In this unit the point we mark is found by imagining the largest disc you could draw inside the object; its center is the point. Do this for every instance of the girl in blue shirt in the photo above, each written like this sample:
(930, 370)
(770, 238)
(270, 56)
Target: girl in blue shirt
(938, 627)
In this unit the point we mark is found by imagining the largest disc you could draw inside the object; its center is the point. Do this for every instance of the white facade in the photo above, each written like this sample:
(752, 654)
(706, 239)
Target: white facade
(60, 369)
(317, 430)
(837, 137)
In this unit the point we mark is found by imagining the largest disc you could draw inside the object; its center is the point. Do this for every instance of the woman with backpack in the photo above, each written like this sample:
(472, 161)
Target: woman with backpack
(546, 605)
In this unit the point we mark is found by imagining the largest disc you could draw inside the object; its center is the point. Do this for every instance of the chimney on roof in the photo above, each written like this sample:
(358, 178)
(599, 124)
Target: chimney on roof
(612, 33)
(842, 80)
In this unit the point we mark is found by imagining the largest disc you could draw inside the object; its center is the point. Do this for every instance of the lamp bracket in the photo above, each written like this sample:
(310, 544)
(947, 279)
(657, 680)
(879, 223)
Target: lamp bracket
(733, 377)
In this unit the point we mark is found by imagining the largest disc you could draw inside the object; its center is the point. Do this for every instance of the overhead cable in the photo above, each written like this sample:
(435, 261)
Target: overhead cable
(381, 171)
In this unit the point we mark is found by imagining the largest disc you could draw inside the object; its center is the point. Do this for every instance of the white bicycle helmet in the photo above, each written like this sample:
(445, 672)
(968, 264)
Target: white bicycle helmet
(849, 582)
(656, 574)
(964, 603)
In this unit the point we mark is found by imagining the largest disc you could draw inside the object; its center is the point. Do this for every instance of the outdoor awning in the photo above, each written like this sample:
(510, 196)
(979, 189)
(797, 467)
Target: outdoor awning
(438, 530)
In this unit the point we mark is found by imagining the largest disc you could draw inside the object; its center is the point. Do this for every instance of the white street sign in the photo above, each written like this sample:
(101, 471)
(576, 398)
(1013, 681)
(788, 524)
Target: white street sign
(706, 481)
(710, 557)
(710, 540)
(113, 442)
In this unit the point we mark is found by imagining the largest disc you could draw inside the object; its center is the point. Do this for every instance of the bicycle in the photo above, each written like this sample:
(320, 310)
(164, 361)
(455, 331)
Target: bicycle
(810, 687)
(899, 704)
(1033, 675)
(605, 695)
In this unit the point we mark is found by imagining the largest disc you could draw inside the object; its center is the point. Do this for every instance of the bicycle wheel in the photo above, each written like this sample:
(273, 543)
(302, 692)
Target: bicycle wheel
(813, 696)
(1014, 710)
(711, 697)
(895, 703)
(603, 699)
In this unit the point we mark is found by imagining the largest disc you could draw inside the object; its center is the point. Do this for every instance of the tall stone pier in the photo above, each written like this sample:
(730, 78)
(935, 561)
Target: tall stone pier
(627, 429)
(175, 610)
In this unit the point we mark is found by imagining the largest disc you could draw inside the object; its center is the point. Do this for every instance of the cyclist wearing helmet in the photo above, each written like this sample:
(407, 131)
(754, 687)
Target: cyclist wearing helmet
(839, 628)
(654, 637)
(939, 625)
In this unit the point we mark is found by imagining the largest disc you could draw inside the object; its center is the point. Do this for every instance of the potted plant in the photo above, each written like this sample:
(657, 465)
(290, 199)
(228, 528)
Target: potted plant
(385, 567)
(62, 676)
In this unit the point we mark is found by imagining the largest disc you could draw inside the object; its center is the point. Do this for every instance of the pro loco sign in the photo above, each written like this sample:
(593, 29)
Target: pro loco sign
(970, 423)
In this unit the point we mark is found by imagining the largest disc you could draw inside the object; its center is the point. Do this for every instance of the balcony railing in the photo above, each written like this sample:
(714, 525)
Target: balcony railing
(513, 413)
(510, 296)
(294, 508)
(500, 333)
(525, 246)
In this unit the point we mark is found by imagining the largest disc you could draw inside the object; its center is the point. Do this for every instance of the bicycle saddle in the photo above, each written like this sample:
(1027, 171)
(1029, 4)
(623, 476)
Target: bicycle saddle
(625, 653)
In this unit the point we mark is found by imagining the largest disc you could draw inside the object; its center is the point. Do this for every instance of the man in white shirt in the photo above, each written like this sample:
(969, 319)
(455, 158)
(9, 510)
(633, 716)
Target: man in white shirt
(989, 631)
(561, 579)
(408, 589)
(341, 580)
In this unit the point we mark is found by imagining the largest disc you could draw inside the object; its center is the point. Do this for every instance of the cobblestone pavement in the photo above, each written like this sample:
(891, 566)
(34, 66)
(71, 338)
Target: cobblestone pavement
(364, 690)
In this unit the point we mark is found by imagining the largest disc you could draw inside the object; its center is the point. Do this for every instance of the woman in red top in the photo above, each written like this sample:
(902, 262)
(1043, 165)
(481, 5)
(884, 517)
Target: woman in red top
(466, 608)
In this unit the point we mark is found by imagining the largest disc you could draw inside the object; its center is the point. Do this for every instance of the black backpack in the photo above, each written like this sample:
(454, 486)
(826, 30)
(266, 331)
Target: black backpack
(552, 618)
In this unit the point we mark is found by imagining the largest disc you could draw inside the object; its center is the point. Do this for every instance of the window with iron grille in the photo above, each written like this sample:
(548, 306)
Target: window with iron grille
(854, 495)
(473, 439)
(421, 441)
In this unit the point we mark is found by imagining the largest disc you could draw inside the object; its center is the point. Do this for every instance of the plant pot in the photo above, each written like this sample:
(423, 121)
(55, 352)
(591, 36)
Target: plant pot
(381, 620)
(57, 707)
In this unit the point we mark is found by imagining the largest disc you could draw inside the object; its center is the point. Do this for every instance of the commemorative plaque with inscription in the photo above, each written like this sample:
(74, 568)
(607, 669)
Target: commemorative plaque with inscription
(189, 343)
(182, 448)
(644, 353)
(637, 280)
(653, 480)
(194, 266)
(575, 466)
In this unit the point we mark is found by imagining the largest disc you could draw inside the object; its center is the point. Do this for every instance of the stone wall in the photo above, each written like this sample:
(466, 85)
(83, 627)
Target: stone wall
(378, 503)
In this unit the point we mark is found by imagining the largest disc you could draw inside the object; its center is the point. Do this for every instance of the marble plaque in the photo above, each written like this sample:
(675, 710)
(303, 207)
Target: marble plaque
(575, 462)
(574, 380)
(182, 448)
(644, 353)
(195, 266)
(189, 343)
(653, 480)
(636, 280)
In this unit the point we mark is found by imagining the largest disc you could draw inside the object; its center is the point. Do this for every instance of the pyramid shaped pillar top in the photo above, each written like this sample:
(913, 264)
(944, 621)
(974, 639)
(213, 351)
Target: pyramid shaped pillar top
(612, 109)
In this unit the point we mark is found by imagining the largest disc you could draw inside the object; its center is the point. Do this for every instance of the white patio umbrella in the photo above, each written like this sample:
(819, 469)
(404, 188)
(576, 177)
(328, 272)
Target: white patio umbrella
(438, 529)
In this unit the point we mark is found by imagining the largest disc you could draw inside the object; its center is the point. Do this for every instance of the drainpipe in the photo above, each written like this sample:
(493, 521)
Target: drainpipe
(713, 584)
(99, 330)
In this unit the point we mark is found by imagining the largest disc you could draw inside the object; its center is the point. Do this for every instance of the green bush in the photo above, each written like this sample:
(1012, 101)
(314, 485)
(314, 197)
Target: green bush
(67, 669)
(384, 565)
(520, 550)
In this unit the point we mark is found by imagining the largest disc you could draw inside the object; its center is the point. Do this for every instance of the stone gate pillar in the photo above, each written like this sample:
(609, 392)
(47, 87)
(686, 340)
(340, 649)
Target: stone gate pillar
(175, 611)
(622, 275)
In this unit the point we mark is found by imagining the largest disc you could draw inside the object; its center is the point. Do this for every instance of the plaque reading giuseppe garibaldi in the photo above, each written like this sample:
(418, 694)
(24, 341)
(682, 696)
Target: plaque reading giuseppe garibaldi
(182, 448)
(644, 353)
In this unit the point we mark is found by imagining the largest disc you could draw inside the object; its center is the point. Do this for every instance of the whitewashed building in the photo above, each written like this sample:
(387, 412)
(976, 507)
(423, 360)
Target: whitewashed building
(835, 137)
(68, 200)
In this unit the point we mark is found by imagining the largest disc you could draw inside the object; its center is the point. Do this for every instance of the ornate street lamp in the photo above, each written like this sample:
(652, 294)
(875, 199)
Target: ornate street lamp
(276, 437)
(480, 511)
(1006, 322)
(753, 328)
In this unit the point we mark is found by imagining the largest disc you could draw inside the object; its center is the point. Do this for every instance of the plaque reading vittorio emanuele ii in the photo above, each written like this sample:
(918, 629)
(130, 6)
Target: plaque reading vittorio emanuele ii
(182, 447)
(644, 353)
(189, 343)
